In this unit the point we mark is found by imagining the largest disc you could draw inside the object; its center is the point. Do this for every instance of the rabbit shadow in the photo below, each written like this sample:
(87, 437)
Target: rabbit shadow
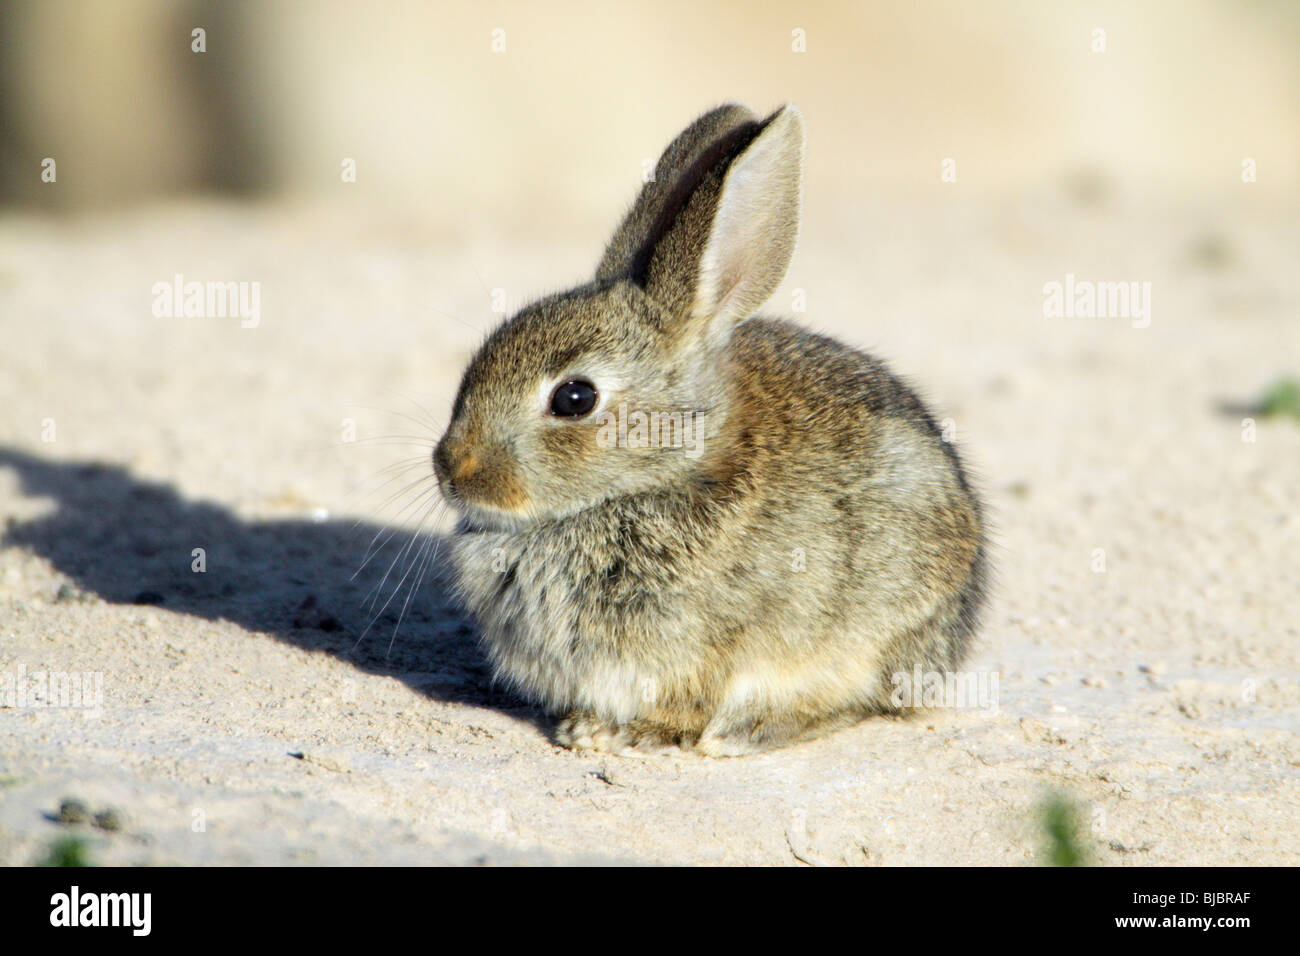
(131, 541)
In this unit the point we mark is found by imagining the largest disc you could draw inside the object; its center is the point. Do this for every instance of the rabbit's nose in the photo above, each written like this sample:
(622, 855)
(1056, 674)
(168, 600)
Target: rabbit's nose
(466, 467)
(443, 460)
(452, 462)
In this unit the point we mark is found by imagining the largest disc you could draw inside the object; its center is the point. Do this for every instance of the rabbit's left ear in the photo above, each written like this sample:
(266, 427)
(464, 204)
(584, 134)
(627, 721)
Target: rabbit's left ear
(755, 225)
(725, 240)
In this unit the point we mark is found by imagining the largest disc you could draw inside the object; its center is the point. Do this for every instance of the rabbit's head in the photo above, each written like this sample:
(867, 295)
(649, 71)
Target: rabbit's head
(615, 387)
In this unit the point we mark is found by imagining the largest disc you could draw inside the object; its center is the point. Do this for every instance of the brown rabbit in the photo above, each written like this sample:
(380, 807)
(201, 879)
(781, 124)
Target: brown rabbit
(684, 525)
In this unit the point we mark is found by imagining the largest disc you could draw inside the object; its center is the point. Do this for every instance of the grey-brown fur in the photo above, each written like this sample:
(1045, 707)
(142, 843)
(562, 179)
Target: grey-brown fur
(824, 539)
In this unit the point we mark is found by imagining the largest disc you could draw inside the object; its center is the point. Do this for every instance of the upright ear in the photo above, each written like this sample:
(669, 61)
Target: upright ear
(680, 163)
(731, 242)
(756, 224)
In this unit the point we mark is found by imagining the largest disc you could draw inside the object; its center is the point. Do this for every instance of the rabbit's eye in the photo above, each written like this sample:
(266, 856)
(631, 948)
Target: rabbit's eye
(573, 399)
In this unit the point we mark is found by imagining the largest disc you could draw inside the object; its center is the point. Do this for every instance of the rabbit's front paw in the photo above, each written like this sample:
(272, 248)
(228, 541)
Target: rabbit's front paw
(583, 730)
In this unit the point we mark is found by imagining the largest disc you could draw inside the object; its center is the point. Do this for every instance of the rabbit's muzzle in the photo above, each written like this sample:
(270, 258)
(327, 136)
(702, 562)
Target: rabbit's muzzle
(477, 473)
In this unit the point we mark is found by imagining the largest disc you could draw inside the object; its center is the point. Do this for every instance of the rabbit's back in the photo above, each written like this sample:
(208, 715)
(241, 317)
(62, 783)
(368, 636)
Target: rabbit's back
(850, 473)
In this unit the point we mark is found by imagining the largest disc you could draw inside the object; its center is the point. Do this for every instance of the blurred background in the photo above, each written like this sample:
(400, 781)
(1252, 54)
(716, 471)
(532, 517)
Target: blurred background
(467, 111)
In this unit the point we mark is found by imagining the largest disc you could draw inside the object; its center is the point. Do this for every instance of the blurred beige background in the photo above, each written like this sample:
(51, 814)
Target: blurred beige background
(550, 133)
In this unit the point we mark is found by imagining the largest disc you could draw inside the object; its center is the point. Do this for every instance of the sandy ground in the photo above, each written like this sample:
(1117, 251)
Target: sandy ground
(1144, 627)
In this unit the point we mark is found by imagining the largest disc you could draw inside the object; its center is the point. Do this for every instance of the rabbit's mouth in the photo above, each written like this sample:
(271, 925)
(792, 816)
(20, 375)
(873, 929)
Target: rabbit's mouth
(488, 519)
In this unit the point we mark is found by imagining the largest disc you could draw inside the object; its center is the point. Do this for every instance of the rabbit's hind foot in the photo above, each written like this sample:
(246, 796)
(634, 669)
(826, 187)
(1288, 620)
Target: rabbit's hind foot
(736, 735)
(583, 730)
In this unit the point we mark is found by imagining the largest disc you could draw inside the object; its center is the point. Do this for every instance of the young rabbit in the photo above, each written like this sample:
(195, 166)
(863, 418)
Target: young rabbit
(757, 584)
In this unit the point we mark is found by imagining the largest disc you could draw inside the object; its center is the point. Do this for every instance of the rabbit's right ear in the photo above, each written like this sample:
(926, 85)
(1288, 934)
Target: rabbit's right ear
(724, 242)
(687, 156)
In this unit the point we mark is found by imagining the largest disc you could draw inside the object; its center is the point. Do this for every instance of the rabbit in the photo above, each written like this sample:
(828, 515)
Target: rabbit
(822, 539)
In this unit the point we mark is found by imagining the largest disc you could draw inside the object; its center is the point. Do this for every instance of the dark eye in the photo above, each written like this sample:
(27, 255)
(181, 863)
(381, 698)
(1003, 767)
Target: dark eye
(573, 399)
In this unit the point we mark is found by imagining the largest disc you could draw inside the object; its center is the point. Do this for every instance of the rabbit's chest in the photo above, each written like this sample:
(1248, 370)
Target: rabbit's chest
(516, 594)
(559, 628)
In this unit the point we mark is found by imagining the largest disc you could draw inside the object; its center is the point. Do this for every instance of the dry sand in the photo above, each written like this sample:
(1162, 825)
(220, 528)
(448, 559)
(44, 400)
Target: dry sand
(1160, 691)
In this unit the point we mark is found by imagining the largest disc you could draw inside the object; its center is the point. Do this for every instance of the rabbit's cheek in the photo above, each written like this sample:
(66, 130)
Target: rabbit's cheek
(570, 445)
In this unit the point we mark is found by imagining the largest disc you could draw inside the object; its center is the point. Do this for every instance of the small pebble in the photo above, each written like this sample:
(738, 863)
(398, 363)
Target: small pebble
(73, 811)
(109, 820)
